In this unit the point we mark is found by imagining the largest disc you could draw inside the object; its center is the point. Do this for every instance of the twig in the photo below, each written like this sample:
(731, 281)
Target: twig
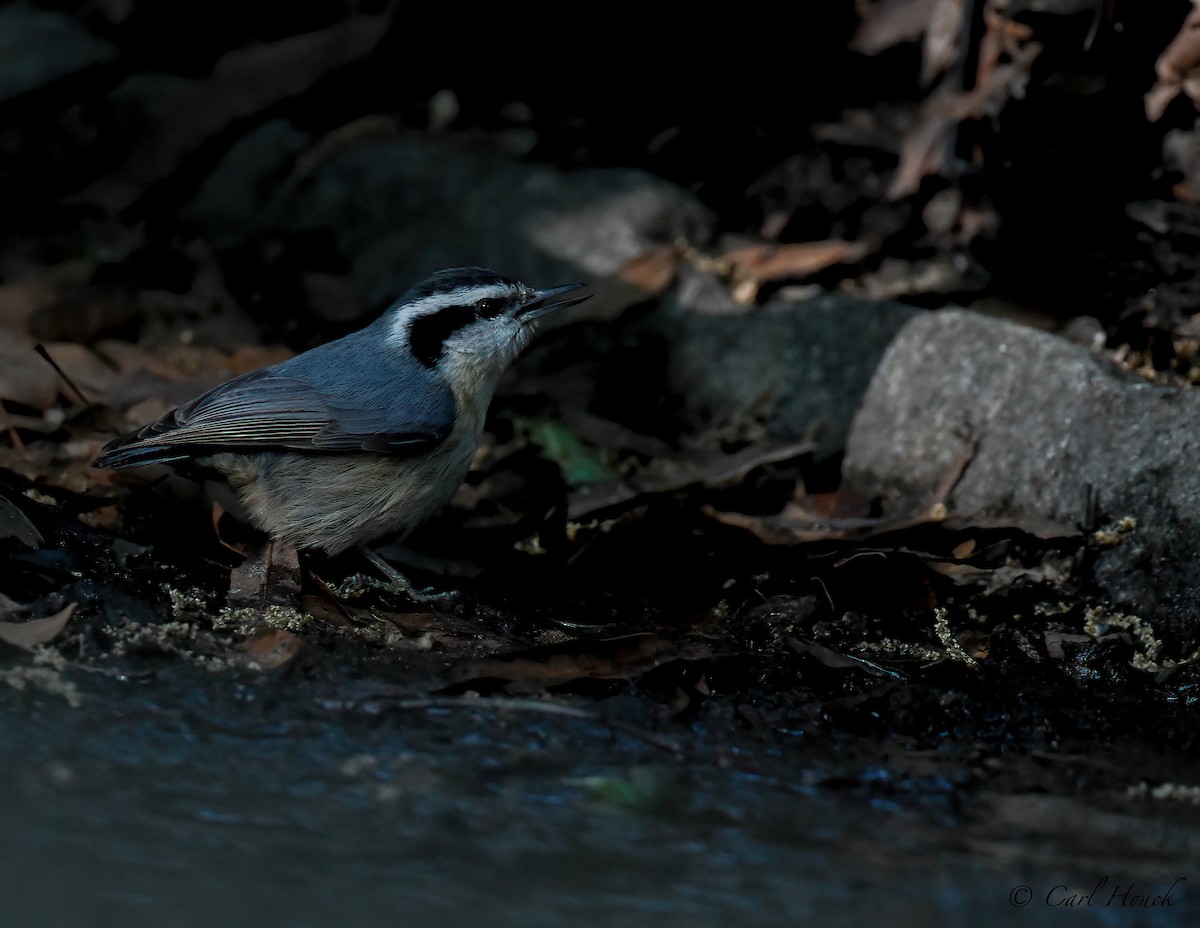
(952, 476)
(41, 349)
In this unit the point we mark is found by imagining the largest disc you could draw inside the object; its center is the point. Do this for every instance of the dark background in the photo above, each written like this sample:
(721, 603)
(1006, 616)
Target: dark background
(712, 101)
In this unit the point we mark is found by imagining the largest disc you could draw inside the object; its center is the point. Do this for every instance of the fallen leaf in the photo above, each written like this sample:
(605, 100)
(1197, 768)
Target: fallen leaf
(90, 374)
(108, 518)
(271, 648)
(25, 377)
(768, 261)
(797, 524)
(1178, 69)
(15, 524)
(887, 23)
(651, 272)
(667, 474)
(928, 140)
(580, 463)
(964, 550)
(29, 634)
(942, 39)
(637, 281)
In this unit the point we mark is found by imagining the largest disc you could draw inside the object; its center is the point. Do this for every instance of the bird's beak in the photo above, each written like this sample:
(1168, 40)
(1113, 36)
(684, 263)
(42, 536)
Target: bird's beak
(544, 302)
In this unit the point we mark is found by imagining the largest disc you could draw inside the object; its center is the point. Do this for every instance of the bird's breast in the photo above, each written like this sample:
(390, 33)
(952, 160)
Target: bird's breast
(335, 502)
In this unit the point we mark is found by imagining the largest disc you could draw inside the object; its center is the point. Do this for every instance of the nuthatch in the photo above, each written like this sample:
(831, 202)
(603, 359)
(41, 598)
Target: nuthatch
(365, 436)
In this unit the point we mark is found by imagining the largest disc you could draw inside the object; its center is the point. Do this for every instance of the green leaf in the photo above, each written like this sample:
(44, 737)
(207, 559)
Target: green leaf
(580, 463)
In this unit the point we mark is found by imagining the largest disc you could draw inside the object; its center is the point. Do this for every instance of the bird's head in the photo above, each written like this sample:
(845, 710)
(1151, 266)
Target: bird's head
(472, 318)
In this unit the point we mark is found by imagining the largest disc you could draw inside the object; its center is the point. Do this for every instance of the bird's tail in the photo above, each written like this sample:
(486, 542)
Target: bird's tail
(116, 458)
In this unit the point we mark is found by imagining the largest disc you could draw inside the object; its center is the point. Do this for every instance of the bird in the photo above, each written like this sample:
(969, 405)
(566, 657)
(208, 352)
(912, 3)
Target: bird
(365, 436)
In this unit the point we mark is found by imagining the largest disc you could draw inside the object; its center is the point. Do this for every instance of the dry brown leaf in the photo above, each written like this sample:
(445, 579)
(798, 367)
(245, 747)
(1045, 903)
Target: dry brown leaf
(886, 23)
(47, 464)
(797, 523)
(147, 410)
(941, 47)
(29, 634)
(964, 550)
(152, 381)
(25, 377)
(1178, 69)
(637, 280)
(653, 271)
(800, 259)
(1182, 55)
(88, 371)
(129, 358)
(271, 648)
(927, 143)
(782, 529)
(667, 474)
(962, 574)
(108, 518)
(1005, 41)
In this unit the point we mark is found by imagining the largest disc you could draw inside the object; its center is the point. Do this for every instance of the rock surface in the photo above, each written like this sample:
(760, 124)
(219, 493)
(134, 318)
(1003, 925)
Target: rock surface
(403, 206)
(1048, 430)
(794, 370)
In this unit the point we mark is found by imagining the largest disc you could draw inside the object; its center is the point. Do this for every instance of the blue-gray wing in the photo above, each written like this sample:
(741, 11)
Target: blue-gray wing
(307, 404)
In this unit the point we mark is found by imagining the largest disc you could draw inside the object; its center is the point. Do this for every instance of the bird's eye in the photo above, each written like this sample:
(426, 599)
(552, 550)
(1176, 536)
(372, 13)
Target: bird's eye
(489, 309)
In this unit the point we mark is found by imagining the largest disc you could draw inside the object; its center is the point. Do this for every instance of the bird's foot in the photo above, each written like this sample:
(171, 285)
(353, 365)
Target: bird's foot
(399, 583)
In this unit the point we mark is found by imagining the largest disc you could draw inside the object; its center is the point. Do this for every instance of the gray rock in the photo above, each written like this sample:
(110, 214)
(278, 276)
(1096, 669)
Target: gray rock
(404, 206)
(789, 371)
(39, 46)
(1046, 427)
(231, 201)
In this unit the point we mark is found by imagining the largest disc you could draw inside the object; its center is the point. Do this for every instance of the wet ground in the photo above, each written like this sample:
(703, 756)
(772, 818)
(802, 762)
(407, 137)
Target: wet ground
(547, 754)
(195, 798)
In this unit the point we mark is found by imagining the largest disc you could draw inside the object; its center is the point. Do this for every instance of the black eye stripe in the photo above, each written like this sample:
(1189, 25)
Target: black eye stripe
(427, 334)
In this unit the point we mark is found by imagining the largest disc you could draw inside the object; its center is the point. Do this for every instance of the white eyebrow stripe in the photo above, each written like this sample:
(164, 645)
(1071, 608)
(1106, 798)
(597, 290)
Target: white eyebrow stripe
(459, 296)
